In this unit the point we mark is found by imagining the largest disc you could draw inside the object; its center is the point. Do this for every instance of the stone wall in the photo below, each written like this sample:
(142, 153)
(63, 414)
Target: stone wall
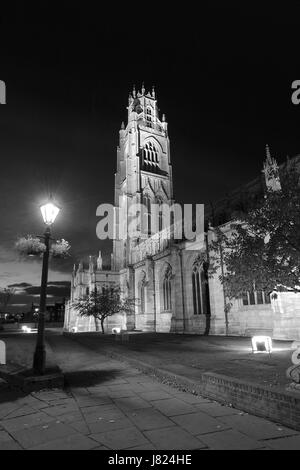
(286, 315)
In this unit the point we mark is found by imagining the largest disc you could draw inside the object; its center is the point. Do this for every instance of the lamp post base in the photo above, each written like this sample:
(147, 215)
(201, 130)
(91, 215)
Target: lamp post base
(39, 360)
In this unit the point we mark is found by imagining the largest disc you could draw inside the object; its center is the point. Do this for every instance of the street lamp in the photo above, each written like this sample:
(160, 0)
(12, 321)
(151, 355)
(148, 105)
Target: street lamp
(49, 212)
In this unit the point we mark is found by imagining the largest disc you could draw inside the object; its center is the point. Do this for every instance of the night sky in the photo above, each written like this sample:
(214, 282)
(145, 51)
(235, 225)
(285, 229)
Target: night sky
(223, 78)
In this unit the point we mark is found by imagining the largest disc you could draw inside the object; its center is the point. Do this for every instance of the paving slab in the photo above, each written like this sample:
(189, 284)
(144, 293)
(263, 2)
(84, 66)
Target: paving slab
(7, 442)
(8, 407)
(149, 418)
(122, 394)
(58, 410)
(155, 395)
(216, 410)
(121, 439)
(34, 402)
(109, 424)
(74, 442)
(42, 434)
(50, 395)
(199, 423)
(127, 387)
(284, 443)
(80, 426)
(131, 403)
(22, 411)
(93, 400)
(26, 422)
(99, 413)
(258, 428)
(173, 438)
(173, 407)
(230, 440)
(70, 417)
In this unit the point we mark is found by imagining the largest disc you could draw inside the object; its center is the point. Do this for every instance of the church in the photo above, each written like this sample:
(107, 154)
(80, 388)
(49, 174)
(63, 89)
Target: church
(168, 276)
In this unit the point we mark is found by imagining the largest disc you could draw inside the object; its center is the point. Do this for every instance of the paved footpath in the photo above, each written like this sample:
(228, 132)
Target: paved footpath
(110, 405)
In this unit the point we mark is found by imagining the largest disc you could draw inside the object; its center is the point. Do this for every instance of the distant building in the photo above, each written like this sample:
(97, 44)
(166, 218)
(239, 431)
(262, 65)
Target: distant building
(55, 312)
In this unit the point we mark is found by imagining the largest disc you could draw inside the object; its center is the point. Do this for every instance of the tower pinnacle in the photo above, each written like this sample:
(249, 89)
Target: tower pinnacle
(271, 172)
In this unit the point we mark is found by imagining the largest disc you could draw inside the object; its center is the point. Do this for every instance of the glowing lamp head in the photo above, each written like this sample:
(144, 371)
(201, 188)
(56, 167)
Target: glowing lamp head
(49, 212)
(261, 344)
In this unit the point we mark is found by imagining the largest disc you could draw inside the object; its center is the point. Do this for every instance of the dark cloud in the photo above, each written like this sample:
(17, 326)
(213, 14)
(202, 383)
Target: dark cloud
(20, 284)
(54, 290)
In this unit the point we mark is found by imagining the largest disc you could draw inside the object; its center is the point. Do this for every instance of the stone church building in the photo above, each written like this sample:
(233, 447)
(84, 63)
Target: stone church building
(167, 276)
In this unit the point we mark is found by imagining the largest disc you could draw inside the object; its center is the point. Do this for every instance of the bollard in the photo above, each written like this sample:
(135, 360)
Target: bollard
(2, 353)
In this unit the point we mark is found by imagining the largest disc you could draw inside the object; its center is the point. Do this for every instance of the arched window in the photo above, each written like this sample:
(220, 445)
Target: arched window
(142, 293)
(200, 291)
(167, 290)
(255, 297)
(87, 291)
(159, 215)
(142, 298)
(147, 214)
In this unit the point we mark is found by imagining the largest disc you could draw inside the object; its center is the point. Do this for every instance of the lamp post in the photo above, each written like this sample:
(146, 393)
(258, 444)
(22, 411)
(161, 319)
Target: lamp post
(49, 212)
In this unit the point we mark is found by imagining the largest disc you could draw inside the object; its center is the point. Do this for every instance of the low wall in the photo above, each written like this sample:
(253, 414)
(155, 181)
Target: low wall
(258, 317)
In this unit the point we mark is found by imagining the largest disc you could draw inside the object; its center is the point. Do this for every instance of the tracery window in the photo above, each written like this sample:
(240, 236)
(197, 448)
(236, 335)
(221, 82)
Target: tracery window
(147, 214)
(254, 297)
(167, 290)
(199, 287)
(142, 293)
(150, 157)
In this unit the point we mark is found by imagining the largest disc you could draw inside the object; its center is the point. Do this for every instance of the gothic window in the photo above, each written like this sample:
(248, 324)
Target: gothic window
(245, 298)
(196, 291)
(160, 220)
(259, 297)
(255, 298)
(147, 214)
(159, 215)
(142, 298)
(167, 290)
(200, 291)
(251, 297)
(142, 294)
(150, 157)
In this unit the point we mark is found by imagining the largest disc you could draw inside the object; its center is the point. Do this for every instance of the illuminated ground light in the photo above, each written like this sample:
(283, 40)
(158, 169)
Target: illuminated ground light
(261, 344)
(116, 331)
(26, 329)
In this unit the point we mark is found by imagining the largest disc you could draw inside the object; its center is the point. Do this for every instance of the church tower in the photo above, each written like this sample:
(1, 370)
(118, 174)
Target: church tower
(143, 176)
